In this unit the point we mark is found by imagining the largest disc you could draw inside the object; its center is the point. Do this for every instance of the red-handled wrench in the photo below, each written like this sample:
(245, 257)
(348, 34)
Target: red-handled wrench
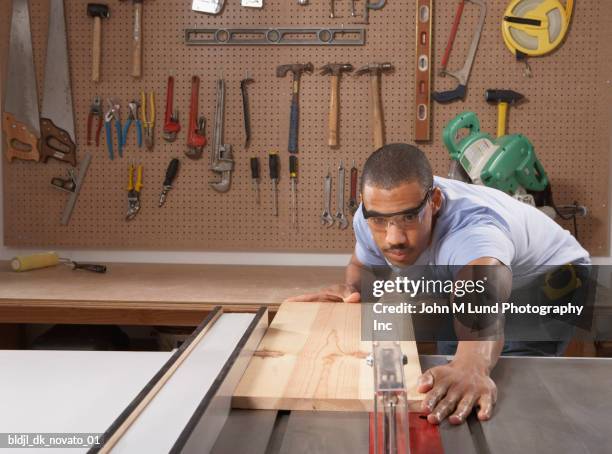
(196, 138)
(171, 123)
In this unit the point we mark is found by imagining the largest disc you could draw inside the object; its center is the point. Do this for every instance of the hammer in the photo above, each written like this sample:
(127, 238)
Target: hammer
(375, 70)
(297, 70)
(98, 11)
(503, 98)
(335, 70)
(137, 40)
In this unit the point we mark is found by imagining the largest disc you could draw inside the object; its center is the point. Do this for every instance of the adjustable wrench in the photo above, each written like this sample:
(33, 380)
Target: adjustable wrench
(327, 218)
(342, 220)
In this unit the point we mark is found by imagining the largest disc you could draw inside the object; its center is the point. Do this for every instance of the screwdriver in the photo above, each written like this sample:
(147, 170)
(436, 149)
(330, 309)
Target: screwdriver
(171, 172)
(273, 163)
(293, 173)
(353, 199)
(255, 177)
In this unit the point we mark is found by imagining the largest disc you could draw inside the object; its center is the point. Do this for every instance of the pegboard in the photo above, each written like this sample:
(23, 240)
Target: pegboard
(567, 117)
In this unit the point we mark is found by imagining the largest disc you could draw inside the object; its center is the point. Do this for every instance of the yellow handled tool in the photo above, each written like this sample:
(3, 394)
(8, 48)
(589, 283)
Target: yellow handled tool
(148, 121)
(47, 259)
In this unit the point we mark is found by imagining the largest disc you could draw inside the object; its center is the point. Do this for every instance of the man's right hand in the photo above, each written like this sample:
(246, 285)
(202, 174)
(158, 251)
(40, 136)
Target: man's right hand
(335, 294)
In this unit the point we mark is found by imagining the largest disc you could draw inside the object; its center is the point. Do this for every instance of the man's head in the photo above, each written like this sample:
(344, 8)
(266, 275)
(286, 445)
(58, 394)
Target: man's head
(399, 201)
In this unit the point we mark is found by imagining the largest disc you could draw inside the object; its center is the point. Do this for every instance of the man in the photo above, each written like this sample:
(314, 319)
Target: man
(409, 217)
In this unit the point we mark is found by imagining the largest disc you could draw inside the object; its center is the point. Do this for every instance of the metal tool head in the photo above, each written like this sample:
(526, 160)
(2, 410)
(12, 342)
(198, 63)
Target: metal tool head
(96, 106)
(297, 70)
(375, 69)
(335, 69)
(133, 108)
(98, 10)
(507, 96)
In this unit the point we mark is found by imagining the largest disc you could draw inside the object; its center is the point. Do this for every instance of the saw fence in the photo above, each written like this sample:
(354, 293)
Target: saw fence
(567, 117)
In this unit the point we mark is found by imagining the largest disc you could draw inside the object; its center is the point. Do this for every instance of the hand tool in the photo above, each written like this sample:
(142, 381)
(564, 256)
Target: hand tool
(332, 8)
(113, 114)
(133, 116)
(353, 204)
(251, 3)
(293, 175)
(340, 216)
(47, 259)
(57, 117)
(171, 123)
(137, 38)
(297, 70)
(207, 6)
(245, 109)
(503, 99)
(255, 178)
(422, 115)
(335, 71)
(532, 28)
(171, 172)
(133, 189)
(353, 12)
(375, 6)
(463, 75)
(72, 185)
(451, 38)
(20, 118)
(196, 138)
(283, 36)
(148, 120)
(94, 111)
(98, 11)
(327, 218)
(375, 70)
(273, 166)
(222, 159)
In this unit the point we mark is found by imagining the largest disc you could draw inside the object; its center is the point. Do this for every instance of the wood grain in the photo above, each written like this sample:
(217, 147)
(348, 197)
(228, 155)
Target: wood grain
(312, 358)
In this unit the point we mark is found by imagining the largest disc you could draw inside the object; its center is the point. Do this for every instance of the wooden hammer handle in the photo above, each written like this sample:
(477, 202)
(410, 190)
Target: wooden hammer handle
(137, 41)
(97, 49)
(376, 109)
(333, 112)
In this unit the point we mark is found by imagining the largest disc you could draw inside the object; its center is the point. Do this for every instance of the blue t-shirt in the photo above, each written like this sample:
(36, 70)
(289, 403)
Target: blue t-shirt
(477, 221)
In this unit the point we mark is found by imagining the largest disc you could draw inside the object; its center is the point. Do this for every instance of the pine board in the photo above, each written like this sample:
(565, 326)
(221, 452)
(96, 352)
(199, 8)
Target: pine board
(312, 358)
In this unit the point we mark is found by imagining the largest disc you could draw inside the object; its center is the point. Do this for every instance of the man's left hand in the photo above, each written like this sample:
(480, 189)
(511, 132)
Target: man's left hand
(454, 389)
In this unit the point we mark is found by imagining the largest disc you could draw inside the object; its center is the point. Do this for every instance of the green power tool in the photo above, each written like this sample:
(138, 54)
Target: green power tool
(508, 163)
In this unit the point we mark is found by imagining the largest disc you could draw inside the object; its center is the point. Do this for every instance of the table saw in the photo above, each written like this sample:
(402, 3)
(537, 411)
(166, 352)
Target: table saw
(181, 401)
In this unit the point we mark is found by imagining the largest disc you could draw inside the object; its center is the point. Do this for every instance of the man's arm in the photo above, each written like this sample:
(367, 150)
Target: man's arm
(455, 388)
(348, 292)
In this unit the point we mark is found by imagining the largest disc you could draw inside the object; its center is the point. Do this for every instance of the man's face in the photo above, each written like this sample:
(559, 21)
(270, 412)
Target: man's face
(401, 245)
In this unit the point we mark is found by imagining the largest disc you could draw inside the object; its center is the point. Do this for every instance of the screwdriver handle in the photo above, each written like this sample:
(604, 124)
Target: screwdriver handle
(353, 182)
(255, 168)
(171, 172)
(273, 163)
(293, 166)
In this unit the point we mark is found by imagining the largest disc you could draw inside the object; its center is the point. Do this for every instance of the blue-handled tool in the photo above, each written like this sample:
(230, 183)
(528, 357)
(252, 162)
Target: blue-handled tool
(297, 70)
(133, 108)
(113, 114)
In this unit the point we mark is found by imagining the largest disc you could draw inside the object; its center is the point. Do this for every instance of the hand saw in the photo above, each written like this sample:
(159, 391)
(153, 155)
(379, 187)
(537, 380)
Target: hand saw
(57, 116)
(20, 119)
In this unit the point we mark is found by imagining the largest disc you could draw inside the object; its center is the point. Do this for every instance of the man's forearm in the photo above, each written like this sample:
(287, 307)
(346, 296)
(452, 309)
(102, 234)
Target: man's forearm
(482, 355)
(353, 274)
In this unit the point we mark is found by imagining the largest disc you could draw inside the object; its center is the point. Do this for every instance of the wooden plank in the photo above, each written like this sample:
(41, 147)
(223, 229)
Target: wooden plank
(312, 358)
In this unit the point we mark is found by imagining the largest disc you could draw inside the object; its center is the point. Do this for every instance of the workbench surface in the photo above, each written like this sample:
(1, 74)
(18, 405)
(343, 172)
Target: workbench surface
(545, 405)
(151, 294)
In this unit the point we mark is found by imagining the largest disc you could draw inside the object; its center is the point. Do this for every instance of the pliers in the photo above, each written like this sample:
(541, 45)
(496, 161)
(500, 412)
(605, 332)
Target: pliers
(134, 192)
(133, 108)
(94, 111)
(148, 122)
(113, 114)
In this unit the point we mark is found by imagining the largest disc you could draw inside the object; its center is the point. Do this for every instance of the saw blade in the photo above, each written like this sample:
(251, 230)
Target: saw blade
(21, 94)
(57, 94)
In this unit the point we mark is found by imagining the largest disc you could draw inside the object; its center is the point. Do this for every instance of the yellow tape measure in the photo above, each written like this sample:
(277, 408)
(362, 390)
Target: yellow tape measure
(532, 28)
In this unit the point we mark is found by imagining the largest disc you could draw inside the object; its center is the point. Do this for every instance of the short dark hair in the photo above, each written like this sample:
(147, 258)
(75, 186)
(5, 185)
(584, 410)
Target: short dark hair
(394, 164)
